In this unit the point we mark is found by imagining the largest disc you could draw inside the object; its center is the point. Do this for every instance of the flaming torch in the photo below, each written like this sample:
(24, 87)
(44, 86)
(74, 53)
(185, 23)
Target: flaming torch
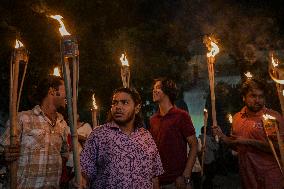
(276, 72)
(20, 54)
(94, 112)
(213, 51)
(205, 118)
(124, 71)
(70, 55)
(248, 75)
(271, 129)
(56, 72)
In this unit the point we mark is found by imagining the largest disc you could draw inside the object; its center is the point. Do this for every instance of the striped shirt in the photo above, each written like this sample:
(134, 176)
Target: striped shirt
(42, 145)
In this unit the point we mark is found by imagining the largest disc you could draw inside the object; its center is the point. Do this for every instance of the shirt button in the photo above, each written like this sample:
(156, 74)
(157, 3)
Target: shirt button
(51, 144)
(47, 182)
(52, 132)
(49, 168)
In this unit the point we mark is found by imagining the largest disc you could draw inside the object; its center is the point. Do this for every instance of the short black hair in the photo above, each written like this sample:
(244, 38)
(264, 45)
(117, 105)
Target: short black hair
(169, 87)
(250, 84)
(45, 84)
(135, 96)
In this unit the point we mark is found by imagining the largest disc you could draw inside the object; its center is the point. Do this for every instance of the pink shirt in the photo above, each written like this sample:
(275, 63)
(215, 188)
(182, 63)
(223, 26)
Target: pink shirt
(258, 169)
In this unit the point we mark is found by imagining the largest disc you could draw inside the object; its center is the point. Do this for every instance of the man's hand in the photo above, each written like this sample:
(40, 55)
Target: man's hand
(11, 153)
(180, 183)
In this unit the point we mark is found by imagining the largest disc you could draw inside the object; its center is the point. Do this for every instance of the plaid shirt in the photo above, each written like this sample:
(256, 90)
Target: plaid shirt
(42, 145)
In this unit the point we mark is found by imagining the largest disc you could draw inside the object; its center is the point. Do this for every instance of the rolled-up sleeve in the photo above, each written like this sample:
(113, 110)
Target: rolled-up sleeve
(88, 157)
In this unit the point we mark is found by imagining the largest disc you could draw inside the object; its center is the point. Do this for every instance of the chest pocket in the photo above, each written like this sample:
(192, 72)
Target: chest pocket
(34, 139)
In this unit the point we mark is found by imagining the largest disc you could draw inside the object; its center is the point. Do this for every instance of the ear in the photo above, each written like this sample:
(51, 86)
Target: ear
(137, 108)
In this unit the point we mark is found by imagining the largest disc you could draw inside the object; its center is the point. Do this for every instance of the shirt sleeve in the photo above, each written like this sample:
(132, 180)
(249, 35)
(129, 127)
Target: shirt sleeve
(88, 157)
(65, 145)
(157, 163)
(5, 137)
(185, 125)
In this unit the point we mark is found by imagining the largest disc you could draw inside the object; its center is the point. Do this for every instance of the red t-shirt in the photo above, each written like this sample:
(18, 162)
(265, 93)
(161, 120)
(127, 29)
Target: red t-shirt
(170, 132)
(258, 169)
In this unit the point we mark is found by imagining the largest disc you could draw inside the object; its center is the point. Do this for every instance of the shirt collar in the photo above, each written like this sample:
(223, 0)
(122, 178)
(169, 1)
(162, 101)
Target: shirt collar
(113, 125)
(245, 112)
(171, 111)
(38, 111)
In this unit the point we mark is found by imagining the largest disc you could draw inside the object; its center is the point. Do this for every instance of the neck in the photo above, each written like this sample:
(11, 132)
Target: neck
(165, 107)
(49, 109)
(127, 128)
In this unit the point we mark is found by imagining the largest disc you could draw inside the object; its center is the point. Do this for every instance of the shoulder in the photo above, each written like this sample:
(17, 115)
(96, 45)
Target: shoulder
(275, 114)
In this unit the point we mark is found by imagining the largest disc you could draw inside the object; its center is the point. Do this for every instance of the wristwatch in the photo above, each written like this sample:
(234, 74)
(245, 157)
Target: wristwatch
(187, 180)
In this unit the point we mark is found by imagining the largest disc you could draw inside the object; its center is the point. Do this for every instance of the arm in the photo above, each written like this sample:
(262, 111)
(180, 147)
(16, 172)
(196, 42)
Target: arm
(192, 142)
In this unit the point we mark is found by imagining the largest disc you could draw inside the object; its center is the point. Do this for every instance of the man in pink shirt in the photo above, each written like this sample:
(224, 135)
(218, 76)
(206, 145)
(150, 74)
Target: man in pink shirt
(258, 167)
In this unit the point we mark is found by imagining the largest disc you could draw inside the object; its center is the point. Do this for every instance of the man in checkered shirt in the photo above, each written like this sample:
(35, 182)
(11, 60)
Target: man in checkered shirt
(42, 136)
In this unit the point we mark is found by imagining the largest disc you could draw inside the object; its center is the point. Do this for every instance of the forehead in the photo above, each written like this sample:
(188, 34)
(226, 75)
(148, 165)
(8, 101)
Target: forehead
(255, 91)
(122, 96)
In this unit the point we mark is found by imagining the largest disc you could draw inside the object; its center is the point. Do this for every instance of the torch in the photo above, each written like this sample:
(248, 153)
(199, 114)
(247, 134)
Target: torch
(94, 112)
(248, 75)
(70, 55)
(56, 72)
(124, 71)
(276, 72)
(20, 54)
(213, 51)
(205, 118)
(270, 126)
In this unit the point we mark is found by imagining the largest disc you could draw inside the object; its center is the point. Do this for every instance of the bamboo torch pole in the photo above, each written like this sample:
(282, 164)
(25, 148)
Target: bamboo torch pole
(19, 54)
(70, 54)
(205, 112)
(213, 51)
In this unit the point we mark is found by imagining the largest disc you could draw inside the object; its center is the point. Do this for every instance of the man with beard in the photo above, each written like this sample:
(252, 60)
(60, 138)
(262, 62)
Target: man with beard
(258, 167)
(42, 138)
(121, 154)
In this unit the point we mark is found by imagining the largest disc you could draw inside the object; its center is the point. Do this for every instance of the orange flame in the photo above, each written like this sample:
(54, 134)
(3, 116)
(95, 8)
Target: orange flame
(56, 72)
(267, 116)
(95, 107)
(62, 28)
(230, 118)
(274, 61)
(18, 44)
(248, 75)
(212, 47)
(124, 60)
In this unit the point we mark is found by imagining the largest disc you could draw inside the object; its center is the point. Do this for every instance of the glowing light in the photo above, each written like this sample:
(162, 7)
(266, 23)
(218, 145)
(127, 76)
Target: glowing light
(56, 72)
(248, 75)
(18, 44)
(212, 47)
(274, 61)
(205, 110)
(62, 28)
(95, 107)
(230, 118)
(267, 116)
(124, 60)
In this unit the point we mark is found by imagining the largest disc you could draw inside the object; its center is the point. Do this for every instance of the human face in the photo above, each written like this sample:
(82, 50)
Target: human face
(60, 97)
(123, 108)
(158, 94)
(254, 100)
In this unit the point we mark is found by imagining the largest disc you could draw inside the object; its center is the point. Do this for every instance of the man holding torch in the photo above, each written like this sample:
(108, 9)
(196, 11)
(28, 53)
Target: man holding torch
(259, 165)
(42, 136)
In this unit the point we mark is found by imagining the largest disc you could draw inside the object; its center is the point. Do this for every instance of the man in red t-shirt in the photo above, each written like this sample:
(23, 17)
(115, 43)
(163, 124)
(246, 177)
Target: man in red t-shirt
(172, 130)
(258, 167)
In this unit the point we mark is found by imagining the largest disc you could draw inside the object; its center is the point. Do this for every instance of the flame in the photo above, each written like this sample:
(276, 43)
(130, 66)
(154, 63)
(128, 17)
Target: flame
(274, 61)
(248, 75)
(205, 110)
(94, 102)
(267, 116)
(212, 47)
(124, 60)
(62, 28)
(283, 92)
(18, 44)
(230, 118)
(56, 72)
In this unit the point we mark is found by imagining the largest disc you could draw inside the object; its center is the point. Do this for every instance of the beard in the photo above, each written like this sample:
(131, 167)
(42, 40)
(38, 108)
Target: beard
(255, 108)
(123, 122)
